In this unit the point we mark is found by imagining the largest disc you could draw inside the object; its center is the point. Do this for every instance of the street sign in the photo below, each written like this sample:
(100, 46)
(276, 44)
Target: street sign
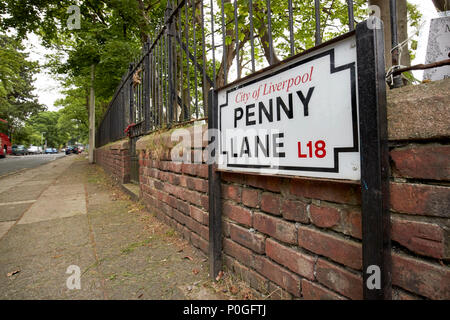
(299, 118)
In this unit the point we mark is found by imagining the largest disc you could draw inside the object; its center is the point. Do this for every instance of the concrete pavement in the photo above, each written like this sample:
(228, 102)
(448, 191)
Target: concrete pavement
(68, 213)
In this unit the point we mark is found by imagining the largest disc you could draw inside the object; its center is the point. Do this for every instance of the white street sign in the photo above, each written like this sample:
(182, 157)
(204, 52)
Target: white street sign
(300, 118)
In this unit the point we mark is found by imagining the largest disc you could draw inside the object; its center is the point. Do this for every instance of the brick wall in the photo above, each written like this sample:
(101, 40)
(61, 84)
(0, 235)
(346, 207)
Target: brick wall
(301, 238)
(176, 192)
(115, 159)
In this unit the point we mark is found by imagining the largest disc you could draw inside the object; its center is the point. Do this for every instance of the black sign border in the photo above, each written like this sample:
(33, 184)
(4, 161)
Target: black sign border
(333, 69)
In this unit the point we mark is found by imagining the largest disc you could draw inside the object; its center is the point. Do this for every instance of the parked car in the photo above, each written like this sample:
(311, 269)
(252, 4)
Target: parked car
(19, 150)
(72, 149)
(48, 150)
(54, 150)
(34, 150)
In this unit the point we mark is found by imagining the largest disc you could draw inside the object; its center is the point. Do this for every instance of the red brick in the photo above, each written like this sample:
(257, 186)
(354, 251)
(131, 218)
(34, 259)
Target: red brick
(423, 161)
(398, 294)
(164, 176)
(204, 199)
(199, 242)
(237, 213)
(325, 217)
(226, 228)
(264, 182)
(314, 291)
(294, 210)
(189, 168)
(239, 252)
(278, 293)
(248, 239)
(182, 206)
(294, 260)
(180, 217)
(420, 277)
(351, 223)
(250, 197)
(284, 278)
(420, 237)
(326, 190)
(428, 200)
(339, 279)
(165, 165)
(202, 171)
(198, 228)
(336, 248)
(174, 179)
(249, 276)
(175, 166)
(270, 202)
(199, 184)
(275, 227)
(199, 215)
(233, 177)
(231, 192)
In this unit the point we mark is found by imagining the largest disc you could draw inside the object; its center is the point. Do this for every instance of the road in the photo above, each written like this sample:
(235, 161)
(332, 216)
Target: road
(12, 164)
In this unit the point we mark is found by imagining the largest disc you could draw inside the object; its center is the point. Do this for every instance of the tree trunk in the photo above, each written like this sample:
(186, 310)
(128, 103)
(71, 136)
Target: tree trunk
(442, 5)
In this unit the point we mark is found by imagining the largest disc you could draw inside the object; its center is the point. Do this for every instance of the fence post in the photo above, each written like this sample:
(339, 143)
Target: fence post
(215, 202)
(376, 239)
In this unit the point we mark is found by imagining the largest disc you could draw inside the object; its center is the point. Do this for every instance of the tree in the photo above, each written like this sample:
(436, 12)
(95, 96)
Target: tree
(17, 101)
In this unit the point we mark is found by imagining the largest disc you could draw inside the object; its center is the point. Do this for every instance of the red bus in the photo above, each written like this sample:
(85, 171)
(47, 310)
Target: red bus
(5, 143)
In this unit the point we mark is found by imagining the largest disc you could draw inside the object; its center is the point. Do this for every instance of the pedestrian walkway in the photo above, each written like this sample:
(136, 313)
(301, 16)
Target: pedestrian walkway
(68, 213)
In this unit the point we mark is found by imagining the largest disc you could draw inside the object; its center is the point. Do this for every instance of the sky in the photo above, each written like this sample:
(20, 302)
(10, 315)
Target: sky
(48, 89)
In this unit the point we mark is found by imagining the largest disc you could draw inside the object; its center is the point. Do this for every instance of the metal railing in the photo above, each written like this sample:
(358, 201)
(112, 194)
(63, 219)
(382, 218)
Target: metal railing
(204, 44)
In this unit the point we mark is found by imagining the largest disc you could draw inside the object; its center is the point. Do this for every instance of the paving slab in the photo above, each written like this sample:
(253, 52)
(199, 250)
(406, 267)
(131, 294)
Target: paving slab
(4, 227)
(13, 211)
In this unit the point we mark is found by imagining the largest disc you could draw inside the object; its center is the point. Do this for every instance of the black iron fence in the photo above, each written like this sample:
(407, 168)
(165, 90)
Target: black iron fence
(203, 44)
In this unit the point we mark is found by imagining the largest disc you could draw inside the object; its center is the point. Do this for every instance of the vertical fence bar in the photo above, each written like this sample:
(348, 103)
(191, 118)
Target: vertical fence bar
(204, 93)
(374, 152)
(166, 77)
(131, 94)
(236, 28)
(161, 83)
(170, 68)
(351, 17)
(188, 76)
(317, 13)
(291, 28)
(224, 51)
(213, 44)
(195, 57)
(215, 202)
(181, 84)
(394, 40)
(252, 36)
(269, 32)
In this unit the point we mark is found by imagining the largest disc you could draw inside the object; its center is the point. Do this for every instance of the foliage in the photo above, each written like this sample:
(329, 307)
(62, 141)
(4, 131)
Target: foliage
(113, 32)
(17, 101)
